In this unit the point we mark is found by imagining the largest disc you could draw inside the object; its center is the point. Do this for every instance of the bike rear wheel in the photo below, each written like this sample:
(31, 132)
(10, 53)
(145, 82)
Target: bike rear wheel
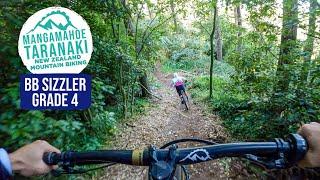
(184, 99)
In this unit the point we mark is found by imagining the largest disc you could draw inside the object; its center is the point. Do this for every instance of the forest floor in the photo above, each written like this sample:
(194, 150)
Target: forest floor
(165, 121)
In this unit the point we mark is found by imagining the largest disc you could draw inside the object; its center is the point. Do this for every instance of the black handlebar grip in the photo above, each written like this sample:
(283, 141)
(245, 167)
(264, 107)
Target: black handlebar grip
(51, 158)
(299, 147)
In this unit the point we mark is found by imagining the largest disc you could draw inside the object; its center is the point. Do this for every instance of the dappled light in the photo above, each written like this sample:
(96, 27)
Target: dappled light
(221, 71)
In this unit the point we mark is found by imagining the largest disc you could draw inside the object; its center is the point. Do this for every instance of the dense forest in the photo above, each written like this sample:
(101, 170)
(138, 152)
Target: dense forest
(256, 64)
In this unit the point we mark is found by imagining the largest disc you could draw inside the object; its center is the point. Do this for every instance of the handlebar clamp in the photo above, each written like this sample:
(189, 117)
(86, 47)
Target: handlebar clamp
(162, 169)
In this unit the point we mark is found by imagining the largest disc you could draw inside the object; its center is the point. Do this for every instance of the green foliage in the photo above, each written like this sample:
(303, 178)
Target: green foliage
(127, 43)
(264, 113)
(249, 105)
(244, 84)
(115, 68)
(186, 52)
(62, 129)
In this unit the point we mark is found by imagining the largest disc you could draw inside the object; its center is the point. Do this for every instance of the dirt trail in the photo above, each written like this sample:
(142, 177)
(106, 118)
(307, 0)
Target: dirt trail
(166, 121)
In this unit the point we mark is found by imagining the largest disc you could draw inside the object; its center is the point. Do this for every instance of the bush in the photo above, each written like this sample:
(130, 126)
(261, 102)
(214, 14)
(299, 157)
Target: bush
(244, 84)
(114, 67)
(64, 129)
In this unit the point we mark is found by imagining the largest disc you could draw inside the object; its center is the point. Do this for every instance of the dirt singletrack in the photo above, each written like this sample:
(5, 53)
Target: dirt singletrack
(165, 121)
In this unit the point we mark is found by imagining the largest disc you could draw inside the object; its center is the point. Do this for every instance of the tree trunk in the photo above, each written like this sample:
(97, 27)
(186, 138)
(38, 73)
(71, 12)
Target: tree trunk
(288, 43)
(212, 51)
(132, 93)
(238, 20)
(113, 29)
(127, 20)
(172, 6)
(308, 48)
(123, 92)
(129, 27)
(143, 80)
(218, 38)
(149, 11)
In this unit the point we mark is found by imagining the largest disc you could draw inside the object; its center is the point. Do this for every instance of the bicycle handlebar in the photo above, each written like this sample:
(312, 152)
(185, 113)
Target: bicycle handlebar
(291, 151)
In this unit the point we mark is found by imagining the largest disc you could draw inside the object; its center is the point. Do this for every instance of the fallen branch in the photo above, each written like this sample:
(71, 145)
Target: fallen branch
(183, 115)
(187, 72)
(179, 112)
(130, 125)
(149, 92)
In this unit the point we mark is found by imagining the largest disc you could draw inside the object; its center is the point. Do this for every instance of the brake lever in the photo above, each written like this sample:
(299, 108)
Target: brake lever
(298, 148)
(273, 162)
(56, 172)
(67, 170)
(267, 163)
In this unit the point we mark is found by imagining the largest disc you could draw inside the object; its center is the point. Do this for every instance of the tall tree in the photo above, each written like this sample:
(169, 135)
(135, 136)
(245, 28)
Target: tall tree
(212, 51)
(238, 21)
(172, 7)
(288, 51)
(218, 42)
(127, 19)
(308, 48)
(145, 38)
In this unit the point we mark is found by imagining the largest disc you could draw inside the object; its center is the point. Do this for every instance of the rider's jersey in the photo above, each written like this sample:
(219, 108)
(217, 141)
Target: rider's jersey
(177, 81)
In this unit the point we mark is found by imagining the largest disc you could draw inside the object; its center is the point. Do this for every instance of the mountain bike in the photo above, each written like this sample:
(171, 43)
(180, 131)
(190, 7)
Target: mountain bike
(168, 162)
(184, 99)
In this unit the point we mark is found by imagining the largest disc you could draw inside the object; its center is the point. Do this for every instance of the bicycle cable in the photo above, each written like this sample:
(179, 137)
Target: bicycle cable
(79, 170)
(187, 140)
(185, 171)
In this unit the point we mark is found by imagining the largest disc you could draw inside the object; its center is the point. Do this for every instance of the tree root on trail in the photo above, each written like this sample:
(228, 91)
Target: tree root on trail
(130, 125)
(179, 113)
(150, 92)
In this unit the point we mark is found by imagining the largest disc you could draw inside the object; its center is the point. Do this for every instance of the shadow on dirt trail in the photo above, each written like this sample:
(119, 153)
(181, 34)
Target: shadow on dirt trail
(166, 121)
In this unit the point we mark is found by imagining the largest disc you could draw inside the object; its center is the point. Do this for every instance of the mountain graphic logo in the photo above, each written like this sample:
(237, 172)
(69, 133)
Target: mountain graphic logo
(54, 20)
(55, 40)
(198, 154)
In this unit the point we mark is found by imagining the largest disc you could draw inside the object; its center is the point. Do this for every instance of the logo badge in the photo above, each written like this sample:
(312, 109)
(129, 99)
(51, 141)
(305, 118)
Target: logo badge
(55, 40)
(197, 155)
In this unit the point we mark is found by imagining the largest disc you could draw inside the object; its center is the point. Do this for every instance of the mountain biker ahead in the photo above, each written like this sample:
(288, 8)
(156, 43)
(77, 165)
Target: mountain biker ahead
(178, 83)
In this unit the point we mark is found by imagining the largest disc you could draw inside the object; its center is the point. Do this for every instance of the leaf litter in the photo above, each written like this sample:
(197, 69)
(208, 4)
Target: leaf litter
(166, 121)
